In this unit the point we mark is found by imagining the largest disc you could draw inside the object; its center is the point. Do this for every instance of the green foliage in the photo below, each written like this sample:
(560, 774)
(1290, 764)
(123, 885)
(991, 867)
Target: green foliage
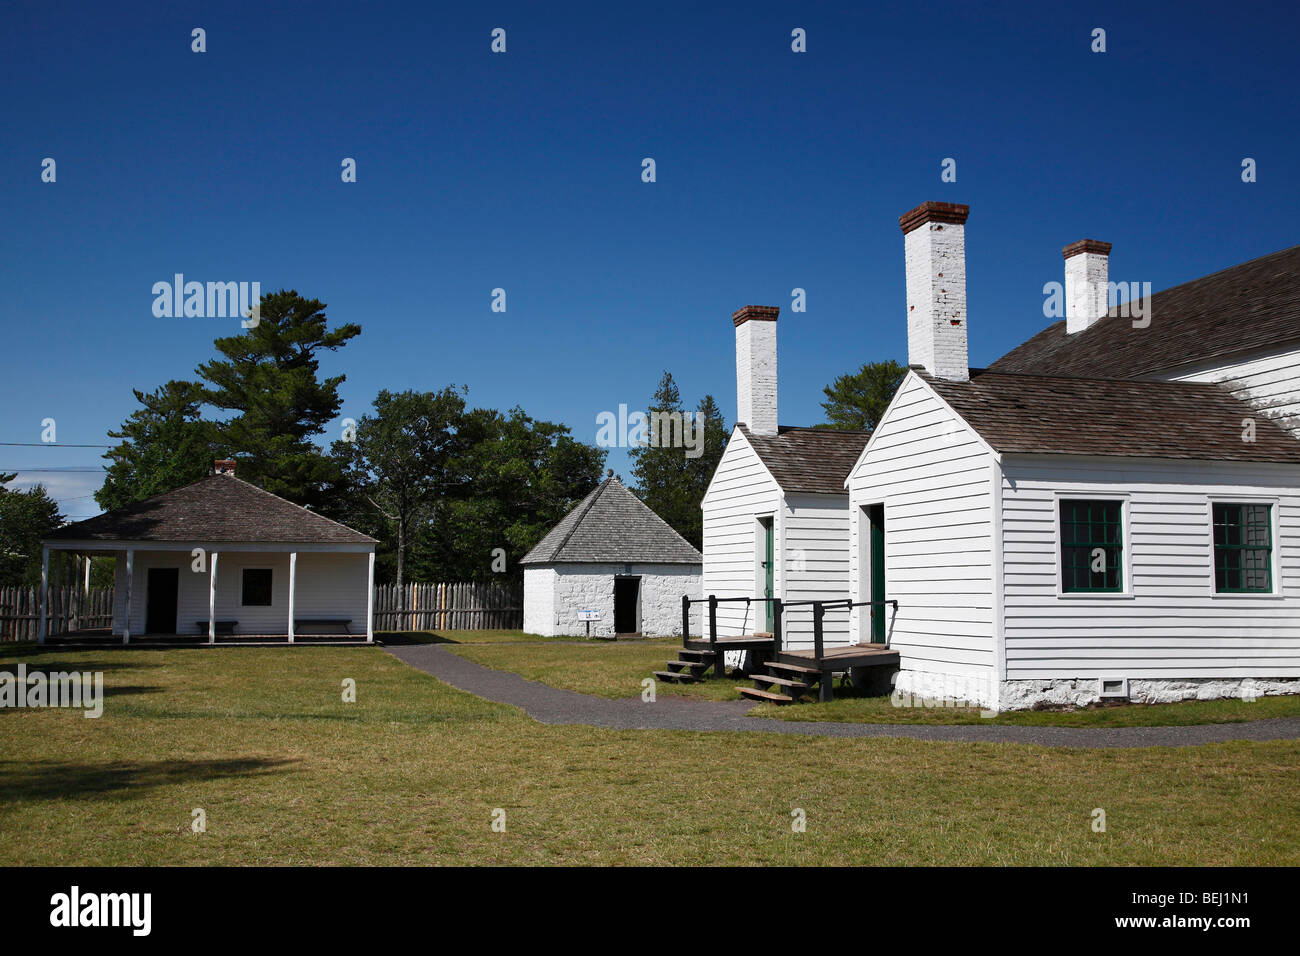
(668, 479)
(25, 518)
(858, 400)
(269, 378)
(402, 460)
(165, 445)
(469, 481)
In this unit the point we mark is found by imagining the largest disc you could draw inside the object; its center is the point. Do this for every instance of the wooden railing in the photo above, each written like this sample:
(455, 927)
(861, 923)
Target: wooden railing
(819, 609)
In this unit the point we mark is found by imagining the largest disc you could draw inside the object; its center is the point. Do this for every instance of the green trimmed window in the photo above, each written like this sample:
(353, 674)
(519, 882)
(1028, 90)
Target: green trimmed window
(1243, 548)
(1092, 546)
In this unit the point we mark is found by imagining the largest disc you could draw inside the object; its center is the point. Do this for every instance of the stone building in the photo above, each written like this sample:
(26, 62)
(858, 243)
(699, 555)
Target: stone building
(611, 566)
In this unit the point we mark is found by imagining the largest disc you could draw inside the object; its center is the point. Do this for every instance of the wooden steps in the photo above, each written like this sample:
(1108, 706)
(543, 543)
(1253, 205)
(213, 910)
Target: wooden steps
(791, 685)
(676, 677)
(689, 667)
(794, 668)
(767, 697)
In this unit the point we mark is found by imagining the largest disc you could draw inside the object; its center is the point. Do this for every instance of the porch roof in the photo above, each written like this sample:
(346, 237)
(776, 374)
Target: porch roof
(219, 509)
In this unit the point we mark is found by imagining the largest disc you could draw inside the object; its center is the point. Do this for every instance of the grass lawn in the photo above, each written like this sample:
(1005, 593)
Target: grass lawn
(287, 773)
(617, 669)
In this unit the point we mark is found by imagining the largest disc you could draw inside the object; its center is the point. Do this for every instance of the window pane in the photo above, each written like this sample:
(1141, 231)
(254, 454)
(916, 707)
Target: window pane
(1243, 547)
(257, 587)
(1092, 546)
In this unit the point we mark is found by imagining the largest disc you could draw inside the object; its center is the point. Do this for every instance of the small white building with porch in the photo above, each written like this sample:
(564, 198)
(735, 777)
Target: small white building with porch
(223, 560)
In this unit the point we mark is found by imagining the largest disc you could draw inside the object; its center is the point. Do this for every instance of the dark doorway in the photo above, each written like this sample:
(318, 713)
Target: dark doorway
(876, 520)
(627, 605)
(160, 600)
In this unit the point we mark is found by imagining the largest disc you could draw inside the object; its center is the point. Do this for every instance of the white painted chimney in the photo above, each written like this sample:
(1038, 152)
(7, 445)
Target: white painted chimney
(1087, 270)
(756, 367)
(934, 250)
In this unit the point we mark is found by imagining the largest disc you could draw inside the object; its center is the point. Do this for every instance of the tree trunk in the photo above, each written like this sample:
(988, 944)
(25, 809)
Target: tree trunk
(401, 556)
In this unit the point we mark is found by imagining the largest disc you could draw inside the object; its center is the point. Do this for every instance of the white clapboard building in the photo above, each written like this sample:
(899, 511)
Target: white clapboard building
(611, 566)
(222, 560)
(1111, 509)
(776, 513)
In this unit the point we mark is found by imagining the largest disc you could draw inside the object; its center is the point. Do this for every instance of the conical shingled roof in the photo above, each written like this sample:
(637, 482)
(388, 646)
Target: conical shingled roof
(612, 526)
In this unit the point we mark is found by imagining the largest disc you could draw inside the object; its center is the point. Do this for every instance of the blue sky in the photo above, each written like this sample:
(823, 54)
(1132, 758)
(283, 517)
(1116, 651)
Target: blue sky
(475, 170)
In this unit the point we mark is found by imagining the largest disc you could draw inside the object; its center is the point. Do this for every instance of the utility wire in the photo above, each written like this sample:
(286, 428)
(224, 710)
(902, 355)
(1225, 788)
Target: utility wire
(48, 444)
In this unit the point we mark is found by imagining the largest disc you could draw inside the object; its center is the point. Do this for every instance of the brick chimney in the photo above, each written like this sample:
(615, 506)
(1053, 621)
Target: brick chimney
(756, 367)
(934, 252)
(224, 466)
(1087, 270)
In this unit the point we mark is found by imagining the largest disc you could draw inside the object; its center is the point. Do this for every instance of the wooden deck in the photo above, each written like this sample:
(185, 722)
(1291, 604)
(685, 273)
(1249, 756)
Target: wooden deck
(842, 657)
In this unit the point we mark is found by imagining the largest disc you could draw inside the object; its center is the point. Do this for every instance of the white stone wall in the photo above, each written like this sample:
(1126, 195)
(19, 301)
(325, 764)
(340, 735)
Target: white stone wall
(539, 600)
(756, 375)
(1026, 694)
(935, 259)
(570, 588)
(1086, 275)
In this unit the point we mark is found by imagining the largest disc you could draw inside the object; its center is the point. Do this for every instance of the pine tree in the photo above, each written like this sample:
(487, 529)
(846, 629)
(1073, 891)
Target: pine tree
(164, 445)
(670, 477)
(269, 377)
(858, 400)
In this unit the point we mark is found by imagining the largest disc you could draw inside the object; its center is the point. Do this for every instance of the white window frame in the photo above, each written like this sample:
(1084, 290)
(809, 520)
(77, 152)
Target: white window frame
(1126, 541)
(1274, 511)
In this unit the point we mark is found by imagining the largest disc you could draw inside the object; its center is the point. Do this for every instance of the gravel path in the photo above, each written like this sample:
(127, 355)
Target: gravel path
(549, 705)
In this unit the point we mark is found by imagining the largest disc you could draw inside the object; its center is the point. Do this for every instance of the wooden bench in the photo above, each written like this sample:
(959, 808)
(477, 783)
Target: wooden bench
(313, 625)
(222, 627)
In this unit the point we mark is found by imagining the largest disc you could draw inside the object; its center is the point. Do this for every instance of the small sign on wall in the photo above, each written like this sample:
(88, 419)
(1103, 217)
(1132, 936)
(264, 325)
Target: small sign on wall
(589, 614)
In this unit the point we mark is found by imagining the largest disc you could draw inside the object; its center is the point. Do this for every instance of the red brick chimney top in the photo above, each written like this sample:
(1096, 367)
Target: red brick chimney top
(765, 313)
(953, 212)
(1086, 245)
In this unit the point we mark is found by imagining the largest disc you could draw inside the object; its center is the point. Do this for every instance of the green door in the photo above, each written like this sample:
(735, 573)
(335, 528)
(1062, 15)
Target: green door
(876, 515)
(768, 565)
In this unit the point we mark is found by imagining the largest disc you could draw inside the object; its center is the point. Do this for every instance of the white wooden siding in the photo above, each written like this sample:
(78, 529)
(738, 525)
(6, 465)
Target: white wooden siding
(741, 491)
(934, 477)
(1172, 625)
(328, 585)
(1269, 383)
(816, 565)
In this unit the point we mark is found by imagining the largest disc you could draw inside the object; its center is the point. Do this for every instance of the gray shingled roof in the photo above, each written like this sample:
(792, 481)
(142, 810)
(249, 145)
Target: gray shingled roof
(219, 508)
(1250, 306)
(612, 526)
(815, 460)
(1038, 414)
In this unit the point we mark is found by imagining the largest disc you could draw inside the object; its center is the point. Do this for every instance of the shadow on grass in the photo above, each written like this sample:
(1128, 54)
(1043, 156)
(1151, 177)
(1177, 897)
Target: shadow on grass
(408, 638)
(48, 781)
(36, 661)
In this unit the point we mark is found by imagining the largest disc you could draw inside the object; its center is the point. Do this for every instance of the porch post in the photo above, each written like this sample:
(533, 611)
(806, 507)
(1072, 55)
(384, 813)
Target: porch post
(370, 600)
(293, 580)
(212, 599)
(45, 582)
(86, 589)
(130, 570)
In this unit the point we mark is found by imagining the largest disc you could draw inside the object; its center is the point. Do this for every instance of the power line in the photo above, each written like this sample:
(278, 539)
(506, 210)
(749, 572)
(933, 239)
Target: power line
(48, 444)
